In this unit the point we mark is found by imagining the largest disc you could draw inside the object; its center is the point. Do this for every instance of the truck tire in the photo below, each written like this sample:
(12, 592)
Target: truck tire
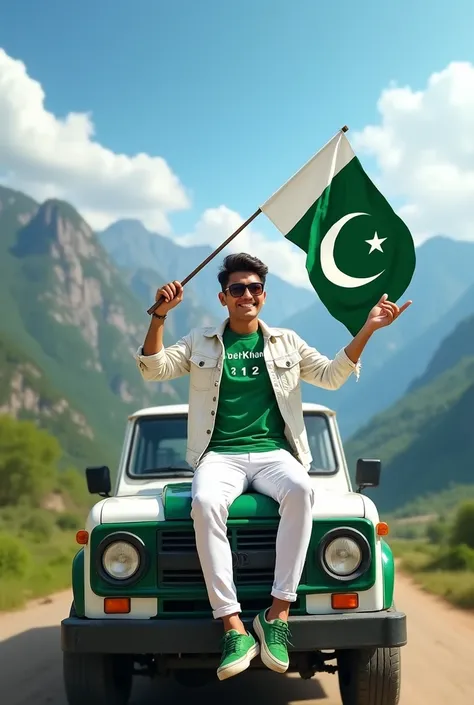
(369, 676)
(97, 679)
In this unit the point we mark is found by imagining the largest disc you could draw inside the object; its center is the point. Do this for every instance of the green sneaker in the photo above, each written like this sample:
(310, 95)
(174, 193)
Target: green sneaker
(274, 637)
(237, 652)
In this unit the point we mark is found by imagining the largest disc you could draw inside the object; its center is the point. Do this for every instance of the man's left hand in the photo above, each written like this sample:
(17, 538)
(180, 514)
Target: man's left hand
(384, 313)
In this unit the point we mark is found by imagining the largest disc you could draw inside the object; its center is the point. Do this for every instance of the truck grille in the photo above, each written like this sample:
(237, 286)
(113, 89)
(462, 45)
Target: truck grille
(253, 553)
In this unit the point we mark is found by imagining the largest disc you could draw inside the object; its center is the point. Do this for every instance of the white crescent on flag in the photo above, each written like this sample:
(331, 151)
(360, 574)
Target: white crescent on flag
(328, 264)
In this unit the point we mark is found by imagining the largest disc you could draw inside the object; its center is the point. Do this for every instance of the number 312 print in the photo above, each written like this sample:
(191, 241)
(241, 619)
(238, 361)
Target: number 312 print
(252, 372)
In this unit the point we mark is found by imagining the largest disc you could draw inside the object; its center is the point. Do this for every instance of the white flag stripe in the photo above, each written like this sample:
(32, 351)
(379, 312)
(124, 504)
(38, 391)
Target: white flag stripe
(292, 200)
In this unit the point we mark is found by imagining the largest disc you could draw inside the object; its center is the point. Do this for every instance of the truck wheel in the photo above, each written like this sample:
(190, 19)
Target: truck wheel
(97, 679)
(369, 676)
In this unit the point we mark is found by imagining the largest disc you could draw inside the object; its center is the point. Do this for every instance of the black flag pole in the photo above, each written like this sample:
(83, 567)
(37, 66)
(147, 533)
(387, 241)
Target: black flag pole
(216, 251)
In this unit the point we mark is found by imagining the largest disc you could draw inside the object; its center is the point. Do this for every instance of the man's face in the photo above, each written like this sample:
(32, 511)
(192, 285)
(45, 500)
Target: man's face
(243, 303)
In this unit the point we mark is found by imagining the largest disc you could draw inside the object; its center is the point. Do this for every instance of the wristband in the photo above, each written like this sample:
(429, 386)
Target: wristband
(157, 315)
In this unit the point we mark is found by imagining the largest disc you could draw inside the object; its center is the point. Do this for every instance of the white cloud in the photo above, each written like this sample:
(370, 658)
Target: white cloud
(46, 156)
(282, 257)
(424, 149)
(51, 157)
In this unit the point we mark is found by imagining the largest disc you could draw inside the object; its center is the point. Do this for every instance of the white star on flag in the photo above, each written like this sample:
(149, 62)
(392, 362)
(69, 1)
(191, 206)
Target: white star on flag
(375, 243)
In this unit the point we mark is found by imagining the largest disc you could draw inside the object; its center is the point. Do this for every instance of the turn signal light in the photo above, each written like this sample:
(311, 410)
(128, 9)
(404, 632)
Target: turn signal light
(348, 601)
(82, 537)
(117, 605)
(382, 529)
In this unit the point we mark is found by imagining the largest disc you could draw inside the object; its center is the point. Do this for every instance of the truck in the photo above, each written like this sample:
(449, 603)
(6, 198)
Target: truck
(138, 589)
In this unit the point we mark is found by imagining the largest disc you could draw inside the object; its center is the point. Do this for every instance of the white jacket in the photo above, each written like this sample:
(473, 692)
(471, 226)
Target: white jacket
(288, 359)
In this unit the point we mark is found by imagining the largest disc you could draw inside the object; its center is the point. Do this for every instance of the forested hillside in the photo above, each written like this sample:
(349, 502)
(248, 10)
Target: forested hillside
(425, 441)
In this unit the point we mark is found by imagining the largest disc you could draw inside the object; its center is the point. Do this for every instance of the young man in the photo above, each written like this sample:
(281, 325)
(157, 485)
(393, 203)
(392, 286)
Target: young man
(246, 427)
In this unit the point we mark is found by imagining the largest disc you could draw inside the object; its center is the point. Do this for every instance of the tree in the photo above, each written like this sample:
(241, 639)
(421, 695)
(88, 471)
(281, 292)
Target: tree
(28, 462)
(463, 526)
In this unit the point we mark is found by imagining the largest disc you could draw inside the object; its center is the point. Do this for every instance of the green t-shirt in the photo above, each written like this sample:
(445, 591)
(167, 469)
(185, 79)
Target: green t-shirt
(248, 418)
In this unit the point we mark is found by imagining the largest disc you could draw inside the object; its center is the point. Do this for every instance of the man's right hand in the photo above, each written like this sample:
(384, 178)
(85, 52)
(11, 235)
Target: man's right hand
(172, 294)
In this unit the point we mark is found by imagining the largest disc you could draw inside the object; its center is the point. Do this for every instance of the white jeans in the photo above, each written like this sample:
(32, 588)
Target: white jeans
(218, 481)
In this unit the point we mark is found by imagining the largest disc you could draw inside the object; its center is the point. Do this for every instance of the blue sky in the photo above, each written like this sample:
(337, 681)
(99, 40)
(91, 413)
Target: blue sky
(235, 96)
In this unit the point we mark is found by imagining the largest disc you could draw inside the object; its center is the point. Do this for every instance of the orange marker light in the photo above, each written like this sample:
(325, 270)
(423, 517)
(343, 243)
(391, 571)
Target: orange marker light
(382, 529)
(117, 605)
(82, 537)
(345, 601)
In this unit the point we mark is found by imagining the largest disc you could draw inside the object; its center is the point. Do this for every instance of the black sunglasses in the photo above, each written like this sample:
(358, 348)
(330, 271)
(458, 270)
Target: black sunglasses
(237, 290)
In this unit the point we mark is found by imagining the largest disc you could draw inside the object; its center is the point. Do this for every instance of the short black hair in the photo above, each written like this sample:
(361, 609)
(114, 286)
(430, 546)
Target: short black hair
(241, 262)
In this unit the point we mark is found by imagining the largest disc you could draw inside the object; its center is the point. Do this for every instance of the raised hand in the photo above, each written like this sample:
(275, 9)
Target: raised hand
(172, 295)
(384, 313)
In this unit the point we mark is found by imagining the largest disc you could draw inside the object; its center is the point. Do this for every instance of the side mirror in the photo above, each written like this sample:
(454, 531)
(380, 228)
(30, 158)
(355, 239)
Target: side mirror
(98, 480)
(368, 473)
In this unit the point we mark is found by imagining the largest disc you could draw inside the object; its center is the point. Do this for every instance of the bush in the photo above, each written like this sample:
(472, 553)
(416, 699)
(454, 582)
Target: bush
(69, 521)
(463, 526)
(72, 485)
(39, 525)
(14, 557)
(437, 532)
(455, 558)
(28, 459)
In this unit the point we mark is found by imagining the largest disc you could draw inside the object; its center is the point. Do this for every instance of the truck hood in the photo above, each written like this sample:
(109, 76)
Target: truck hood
(250, 505)
(174, 504)
(117, 510)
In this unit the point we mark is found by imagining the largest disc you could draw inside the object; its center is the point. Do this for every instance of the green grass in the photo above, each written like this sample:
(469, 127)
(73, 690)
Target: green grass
(48, 571)
(457, 587)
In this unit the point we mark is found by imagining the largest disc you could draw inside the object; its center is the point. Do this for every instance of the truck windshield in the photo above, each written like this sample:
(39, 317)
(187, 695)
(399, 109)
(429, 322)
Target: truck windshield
(159, 446)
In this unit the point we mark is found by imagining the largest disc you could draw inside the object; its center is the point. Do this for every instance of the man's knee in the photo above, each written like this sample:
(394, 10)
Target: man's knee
(206, 504)
(301, 492)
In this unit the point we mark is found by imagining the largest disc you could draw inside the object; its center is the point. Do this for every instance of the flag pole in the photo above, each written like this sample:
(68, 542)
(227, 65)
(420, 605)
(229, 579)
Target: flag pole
(209, 258)
(216, 251)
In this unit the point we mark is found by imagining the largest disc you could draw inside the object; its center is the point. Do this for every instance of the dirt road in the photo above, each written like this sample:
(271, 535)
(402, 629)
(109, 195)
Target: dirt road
(437, 664)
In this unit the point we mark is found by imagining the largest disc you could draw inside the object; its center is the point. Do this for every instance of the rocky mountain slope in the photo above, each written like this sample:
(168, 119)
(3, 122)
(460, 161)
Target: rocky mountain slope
(68, 308)
(26, 394)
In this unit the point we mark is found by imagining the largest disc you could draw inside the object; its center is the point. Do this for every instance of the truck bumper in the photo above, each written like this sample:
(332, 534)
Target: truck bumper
(203, 636)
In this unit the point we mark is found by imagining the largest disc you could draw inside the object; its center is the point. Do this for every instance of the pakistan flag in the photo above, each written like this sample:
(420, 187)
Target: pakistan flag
(357, 248)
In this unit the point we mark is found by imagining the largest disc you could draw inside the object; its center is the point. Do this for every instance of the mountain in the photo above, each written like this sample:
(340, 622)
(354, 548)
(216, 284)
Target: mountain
(425, 440)
(25, 394)
(189, 314)
(402, 370)
(132, 247)
(74, 312)
(455, 347)
(67, 307)
(442, 291)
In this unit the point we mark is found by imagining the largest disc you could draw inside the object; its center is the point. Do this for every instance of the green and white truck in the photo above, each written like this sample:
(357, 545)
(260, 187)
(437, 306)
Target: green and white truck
(138, 590)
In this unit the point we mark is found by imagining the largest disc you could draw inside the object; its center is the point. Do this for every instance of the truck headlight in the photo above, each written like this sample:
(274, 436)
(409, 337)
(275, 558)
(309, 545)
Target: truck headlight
(121, 558)
(343, 556)
(344, 553)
